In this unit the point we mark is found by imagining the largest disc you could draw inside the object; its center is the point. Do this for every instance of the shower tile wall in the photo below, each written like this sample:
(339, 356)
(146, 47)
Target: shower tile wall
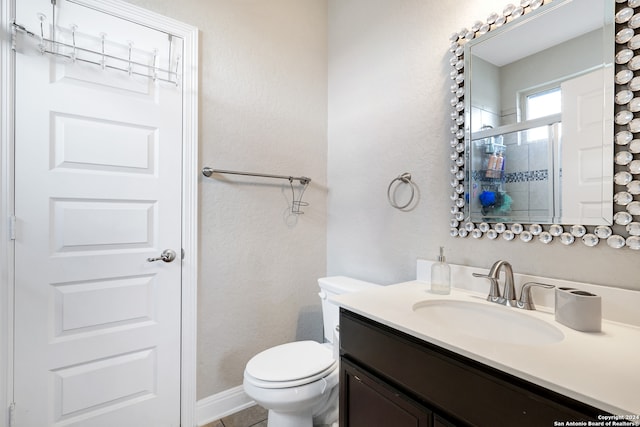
(517, 187)
(483, 117)
(528, 180)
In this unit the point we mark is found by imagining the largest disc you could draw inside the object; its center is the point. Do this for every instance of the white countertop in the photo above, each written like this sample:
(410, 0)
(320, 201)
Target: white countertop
(600, 369)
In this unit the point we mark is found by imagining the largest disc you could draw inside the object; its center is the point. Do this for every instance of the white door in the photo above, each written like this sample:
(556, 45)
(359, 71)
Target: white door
(586, 149)
(97, 192)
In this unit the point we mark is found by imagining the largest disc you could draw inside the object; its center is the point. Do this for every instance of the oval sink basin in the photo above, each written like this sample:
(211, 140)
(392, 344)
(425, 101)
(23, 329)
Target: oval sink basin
(489, 322)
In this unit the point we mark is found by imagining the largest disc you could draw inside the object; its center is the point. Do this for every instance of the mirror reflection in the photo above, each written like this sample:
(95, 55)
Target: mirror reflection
(539, 106)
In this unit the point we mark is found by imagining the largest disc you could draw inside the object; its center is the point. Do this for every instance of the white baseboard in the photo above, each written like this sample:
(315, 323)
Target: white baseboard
(222, 404)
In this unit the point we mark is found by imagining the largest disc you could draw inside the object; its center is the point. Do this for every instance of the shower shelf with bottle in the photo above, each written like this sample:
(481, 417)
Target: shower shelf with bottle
(491, 174)
(489, 177)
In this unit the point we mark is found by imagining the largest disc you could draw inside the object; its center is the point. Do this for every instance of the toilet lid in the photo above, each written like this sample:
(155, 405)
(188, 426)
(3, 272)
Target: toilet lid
(291, 361)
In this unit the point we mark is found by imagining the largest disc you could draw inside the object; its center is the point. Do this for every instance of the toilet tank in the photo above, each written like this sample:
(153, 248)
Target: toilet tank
(336, 285)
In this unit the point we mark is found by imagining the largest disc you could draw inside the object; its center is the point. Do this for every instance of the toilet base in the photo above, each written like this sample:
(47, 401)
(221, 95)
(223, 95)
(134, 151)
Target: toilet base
(294, 420)
(279, 419)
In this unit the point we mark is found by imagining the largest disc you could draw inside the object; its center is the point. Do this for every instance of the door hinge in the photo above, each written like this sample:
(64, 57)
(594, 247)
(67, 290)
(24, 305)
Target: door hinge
(12, 414)
(12, 227)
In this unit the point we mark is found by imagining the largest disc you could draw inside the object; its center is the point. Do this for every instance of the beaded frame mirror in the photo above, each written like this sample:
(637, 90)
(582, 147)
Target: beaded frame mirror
(625, 232)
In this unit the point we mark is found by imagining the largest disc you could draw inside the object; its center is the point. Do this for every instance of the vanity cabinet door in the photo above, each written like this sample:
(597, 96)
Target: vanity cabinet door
(368, 402)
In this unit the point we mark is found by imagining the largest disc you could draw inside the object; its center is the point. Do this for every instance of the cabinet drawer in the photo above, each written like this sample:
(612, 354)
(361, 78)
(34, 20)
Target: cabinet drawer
(460, 388)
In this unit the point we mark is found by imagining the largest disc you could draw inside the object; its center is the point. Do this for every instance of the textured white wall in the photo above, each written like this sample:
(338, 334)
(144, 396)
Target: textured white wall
(263, 108)
(388, 114)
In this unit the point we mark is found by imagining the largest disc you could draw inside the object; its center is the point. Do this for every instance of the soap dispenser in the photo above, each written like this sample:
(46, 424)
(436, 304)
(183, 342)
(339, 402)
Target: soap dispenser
(441, 275)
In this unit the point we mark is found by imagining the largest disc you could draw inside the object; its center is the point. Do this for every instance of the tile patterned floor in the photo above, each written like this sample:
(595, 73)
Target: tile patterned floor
(255, 416)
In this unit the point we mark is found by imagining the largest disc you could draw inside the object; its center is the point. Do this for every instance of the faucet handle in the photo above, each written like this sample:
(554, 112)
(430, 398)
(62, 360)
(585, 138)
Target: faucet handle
(525, 301)
(494, 290)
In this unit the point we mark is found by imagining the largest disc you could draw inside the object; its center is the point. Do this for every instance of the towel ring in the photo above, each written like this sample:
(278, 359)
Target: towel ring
(405, 178)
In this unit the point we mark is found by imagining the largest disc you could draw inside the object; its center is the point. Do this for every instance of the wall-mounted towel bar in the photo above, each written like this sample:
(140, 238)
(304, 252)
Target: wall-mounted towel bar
(207, 171)
(296, 204)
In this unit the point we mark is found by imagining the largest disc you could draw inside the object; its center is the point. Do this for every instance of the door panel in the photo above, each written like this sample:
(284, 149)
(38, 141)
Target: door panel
(587, 145)
(137, 372)
(98, 191)
(115, 147)
(83, 307)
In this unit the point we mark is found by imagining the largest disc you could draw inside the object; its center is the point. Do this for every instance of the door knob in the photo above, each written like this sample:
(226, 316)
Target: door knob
(167, 256)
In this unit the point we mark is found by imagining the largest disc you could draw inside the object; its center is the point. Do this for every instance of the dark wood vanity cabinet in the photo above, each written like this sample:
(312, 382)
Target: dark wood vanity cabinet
(391, 379)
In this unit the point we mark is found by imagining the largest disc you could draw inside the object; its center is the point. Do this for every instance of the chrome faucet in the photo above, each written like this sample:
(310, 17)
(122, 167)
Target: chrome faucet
(508, 297)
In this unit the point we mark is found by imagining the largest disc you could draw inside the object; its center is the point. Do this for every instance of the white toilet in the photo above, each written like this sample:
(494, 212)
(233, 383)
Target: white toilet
(297, 382)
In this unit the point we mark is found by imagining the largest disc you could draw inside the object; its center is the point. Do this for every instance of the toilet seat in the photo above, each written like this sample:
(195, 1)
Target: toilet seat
(290, 365)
